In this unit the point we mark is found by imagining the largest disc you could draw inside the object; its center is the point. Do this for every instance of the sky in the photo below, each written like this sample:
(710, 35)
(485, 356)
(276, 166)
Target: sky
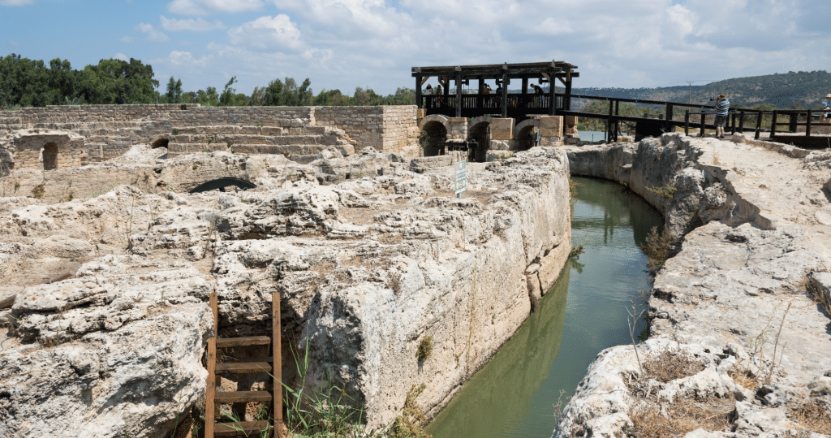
(373, 43)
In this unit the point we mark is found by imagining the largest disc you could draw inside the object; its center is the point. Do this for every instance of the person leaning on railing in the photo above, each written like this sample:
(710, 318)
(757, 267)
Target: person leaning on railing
(827, 106)
(722, 111)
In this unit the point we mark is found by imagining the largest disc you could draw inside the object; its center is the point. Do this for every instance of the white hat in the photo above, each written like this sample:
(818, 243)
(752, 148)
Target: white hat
(828, 96)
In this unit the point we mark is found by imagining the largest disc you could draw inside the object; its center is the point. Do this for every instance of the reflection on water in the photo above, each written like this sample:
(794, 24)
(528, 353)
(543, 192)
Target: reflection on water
(583, 313)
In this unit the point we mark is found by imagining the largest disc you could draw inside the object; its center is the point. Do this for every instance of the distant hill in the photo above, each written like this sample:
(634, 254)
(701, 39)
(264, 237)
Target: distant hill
(782, 90)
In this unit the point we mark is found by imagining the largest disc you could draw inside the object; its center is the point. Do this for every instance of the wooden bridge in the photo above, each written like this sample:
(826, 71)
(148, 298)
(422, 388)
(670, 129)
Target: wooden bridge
(457, 98)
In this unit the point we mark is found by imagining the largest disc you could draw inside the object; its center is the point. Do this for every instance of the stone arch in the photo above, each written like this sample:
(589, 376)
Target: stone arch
(433, 135)
(49, 156)
(479, 139)
(222, 183)
(525, 133)
(160, 142)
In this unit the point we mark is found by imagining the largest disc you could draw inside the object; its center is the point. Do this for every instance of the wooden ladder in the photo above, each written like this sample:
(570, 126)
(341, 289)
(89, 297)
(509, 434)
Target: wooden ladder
(271, 365)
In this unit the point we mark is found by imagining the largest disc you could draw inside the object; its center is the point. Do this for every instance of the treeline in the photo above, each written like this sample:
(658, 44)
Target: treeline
(27, 82)
(802, 89)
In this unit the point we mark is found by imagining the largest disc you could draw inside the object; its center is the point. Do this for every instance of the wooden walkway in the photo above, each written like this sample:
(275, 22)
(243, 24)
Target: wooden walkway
(269, 366)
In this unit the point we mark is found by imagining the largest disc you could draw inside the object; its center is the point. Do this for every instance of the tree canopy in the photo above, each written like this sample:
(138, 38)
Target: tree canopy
(27, 82)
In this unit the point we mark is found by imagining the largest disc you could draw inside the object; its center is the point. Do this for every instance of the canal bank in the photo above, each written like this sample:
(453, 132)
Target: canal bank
(583, 313)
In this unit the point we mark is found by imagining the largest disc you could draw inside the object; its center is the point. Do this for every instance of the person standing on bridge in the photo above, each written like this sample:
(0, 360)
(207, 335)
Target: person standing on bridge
(722, 111)
(828, 106)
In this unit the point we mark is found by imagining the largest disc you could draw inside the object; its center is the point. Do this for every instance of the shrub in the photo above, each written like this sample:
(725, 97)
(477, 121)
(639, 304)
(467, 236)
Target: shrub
(38, 191)
(425, 349)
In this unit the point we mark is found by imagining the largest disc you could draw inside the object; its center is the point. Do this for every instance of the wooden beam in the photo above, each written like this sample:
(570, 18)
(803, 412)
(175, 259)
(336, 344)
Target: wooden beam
(277, 363)
(419, 100)
(567, 97)
(210, 391)
(504, 99)
(459, 93)
(552, 96)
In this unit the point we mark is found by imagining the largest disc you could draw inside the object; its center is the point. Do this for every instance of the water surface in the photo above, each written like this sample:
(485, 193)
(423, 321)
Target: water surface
(583, 313)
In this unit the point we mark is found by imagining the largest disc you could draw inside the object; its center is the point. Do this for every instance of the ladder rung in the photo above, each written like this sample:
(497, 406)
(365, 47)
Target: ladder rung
(245, 341)
(243, 396)
(243, 367)
(242, 428)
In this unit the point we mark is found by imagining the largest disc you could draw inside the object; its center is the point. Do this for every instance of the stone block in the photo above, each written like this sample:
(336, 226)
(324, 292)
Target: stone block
(571, 126)
(551, 126)
(457, 129)
(502, 128)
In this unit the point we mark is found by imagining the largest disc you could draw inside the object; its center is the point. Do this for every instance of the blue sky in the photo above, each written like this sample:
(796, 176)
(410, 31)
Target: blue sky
(373, 43)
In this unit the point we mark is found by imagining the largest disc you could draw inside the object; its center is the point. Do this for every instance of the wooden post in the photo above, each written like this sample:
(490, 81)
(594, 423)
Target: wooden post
(479, 99)
(524, 105)
(504, 98)
(758, 125)
(419, 102)
(210, 391)
(702, 124)
(741, 121)
(567, 96)
(773, 125)
(668, 116)
(808, 125)
(609, 121)
(793, 118)
(277, 364)
(552, 93)
(687, 123)
(446, 92)
(458, 92)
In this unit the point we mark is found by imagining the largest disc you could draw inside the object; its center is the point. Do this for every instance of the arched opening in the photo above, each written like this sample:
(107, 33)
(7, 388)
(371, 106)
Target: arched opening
(222, 184)
(479, 137)
(525, 138)
(50, 156)
(433, 139)
(160, 143)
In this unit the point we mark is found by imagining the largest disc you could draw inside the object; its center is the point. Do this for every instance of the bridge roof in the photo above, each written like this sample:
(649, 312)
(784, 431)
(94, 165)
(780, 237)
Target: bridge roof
(559, 68)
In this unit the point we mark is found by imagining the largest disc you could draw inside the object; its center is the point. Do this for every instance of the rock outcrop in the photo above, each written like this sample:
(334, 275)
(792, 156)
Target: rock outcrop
(103, 311)
(738, 342)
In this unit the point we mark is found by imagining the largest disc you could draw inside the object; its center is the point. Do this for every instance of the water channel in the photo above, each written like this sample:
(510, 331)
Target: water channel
(583, 313)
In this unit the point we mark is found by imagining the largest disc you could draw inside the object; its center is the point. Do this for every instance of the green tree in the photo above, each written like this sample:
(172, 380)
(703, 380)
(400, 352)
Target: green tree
(174, 90)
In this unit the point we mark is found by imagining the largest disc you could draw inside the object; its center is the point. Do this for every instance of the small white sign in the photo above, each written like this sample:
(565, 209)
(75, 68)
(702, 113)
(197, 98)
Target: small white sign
(461, 177)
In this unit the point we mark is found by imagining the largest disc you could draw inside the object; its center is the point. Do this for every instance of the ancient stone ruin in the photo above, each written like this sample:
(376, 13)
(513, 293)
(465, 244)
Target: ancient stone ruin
(121, 221)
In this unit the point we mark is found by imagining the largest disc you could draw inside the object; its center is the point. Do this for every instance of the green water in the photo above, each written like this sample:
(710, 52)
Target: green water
(583, 313)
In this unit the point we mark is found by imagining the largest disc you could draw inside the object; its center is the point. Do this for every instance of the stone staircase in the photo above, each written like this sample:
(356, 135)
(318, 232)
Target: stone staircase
(298, 143)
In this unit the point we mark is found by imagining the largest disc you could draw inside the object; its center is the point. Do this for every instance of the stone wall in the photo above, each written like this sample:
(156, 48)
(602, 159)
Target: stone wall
(108, 131)
(400, 130)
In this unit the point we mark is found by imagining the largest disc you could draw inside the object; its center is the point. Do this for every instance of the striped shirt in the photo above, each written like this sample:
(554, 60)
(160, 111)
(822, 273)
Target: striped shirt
(723, 107)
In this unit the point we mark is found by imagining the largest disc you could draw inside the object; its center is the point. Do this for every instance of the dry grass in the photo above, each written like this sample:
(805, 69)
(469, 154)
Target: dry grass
(682, 416)
(425, 349)
(38, 191)
(666, 191)
(671, 365)
(744, 377)
(813, 415)
(410, 424)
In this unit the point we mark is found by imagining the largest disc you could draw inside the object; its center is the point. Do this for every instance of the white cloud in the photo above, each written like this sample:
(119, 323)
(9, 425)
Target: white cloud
(121, 56)
(152, 33)
(637, 43)
(189, 24)
(184, 58)
(267, 32)
(16, 2)
(358, 16)
(203, 7)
